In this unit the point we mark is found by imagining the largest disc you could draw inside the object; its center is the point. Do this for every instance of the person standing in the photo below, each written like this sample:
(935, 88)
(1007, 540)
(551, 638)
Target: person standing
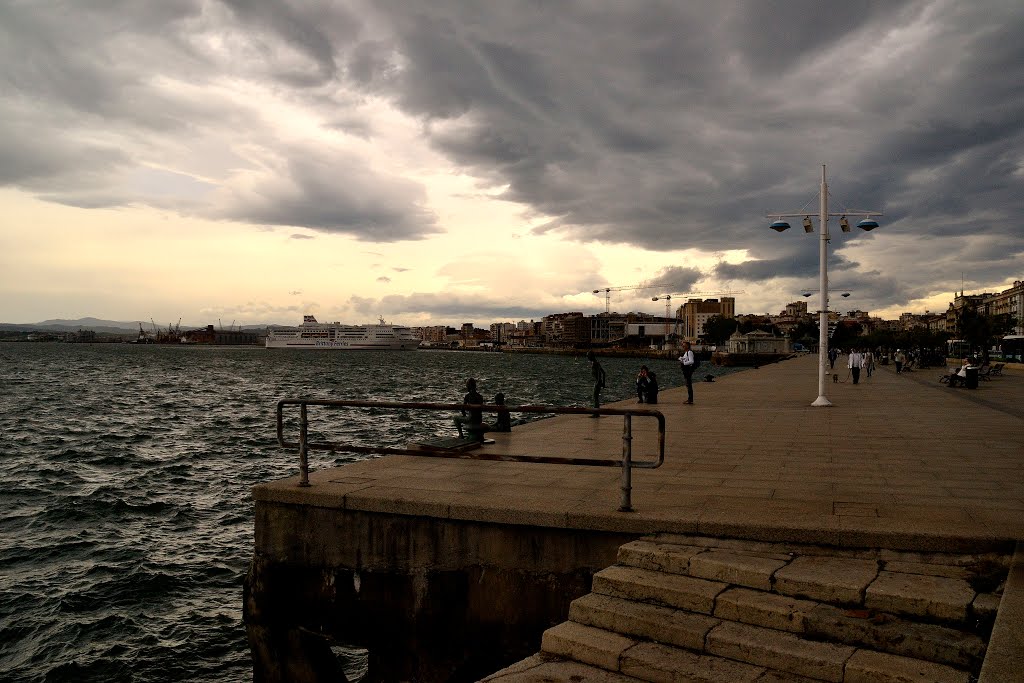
(900, 358)
(687, 362)
(652, 387)
(855, 362)
(833, 353)
(869, 362)
(599, 379)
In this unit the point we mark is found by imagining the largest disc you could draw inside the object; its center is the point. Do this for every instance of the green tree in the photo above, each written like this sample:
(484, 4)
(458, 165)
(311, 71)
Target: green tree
(717, 329)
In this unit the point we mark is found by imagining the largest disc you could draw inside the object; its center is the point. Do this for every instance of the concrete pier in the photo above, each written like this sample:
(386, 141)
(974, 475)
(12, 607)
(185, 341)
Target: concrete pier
(451, 569)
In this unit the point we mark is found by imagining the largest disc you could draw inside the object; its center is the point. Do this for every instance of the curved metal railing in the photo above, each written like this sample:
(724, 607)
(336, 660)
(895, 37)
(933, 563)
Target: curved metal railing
(304, 445)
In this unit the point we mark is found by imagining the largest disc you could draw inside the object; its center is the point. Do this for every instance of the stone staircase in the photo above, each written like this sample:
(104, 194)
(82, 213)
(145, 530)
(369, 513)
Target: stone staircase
(686, 608)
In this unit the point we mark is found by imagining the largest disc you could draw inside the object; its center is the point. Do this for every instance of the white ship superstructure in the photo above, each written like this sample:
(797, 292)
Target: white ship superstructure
(315, 335)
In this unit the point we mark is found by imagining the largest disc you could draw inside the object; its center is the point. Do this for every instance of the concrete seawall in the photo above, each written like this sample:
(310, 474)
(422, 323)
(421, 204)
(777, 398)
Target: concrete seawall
(450, 569)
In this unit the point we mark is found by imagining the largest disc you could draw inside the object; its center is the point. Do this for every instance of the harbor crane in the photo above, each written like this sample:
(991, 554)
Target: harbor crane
(608, 290)
(668, 302)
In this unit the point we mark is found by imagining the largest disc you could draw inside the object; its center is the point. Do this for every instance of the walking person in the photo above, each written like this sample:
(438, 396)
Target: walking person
(900, 358)
(599, 379)
(855, 362)
(833, 353)
(869, 362)
(688, 363)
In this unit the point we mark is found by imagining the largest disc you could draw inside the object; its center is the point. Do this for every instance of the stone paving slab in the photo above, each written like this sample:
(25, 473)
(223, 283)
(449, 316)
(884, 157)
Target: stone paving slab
(750, 459)
(828, 579)
(548, 669)
(926, 596)
(653, 622)
(769, 610)
(672, 590)
(586, 644)
(877, 667)
(663, 664)
(779, 650)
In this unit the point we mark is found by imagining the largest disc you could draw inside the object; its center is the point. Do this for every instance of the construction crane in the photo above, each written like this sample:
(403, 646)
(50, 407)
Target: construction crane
(608, 290)
(668, 302)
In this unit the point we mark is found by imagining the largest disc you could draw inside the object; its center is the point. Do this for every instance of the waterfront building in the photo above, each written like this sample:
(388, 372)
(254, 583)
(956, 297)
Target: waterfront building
(695, 312)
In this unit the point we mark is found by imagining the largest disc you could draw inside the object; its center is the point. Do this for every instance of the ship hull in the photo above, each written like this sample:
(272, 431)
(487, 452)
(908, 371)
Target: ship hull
(315, 336)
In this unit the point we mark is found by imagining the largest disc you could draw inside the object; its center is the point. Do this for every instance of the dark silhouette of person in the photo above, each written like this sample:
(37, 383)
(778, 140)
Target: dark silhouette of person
(503, 423)
(475, 420)
(643, 382)
(652, 387)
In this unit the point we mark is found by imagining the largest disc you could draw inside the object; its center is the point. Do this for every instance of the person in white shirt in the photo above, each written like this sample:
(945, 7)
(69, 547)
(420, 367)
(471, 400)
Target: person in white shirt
(687, 362)
(869, 362)
(855, 363)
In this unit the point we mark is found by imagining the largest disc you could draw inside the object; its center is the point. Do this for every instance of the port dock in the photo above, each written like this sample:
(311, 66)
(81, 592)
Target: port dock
(449, 569)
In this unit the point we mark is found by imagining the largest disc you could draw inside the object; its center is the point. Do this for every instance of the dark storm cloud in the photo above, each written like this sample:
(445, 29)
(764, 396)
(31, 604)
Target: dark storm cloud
(682, 124)
(447, 306)
(661, 125)
(338, 194)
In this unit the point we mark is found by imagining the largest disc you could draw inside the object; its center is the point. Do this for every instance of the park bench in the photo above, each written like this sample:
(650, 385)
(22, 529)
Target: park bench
(997, 370)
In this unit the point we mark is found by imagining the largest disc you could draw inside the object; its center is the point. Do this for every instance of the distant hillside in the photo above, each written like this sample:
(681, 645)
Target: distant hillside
(99, 326)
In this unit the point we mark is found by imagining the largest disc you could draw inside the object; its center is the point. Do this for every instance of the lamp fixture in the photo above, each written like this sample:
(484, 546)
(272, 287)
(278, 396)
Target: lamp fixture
(868, 224)
(779, 225)
(808, 226)
(844, 224)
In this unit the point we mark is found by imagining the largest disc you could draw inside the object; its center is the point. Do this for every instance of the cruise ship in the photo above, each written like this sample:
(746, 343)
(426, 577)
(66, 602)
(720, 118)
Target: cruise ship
(315, 335)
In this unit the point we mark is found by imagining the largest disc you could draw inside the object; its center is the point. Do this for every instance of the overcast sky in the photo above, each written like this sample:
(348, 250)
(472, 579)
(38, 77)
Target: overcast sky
(448, 162)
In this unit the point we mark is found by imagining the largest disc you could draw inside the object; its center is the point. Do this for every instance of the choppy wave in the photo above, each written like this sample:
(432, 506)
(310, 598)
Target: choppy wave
(127, 525)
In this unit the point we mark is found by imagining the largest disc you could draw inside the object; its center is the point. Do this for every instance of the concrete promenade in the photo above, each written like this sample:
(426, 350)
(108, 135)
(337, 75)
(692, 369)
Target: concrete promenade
(899, 461)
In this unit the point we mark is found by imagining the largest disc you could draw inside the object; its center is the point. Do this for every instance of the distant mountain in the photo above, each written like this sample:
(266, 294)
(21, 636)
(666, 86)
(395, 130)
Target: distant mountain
(100, 326)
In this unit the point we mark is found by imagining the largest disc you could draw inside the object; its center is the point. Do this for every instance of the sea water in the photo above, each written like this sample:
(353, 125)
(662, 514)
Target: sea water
(127, 519)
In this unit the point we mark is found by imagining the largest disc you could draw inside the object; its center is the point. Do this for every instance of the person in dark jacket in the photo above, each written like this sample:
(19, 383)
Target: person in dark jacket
(475, 420)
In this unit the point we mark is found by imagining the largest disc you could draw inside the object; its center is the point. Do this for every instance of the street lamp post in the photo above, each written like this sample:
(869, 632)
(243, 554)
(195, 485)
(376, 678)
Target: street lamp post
(868, 223)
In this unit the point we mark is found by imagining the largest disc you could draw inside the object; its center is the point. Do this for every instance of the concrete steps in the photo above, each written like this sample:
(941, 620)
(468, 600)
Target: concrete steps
(702, 609)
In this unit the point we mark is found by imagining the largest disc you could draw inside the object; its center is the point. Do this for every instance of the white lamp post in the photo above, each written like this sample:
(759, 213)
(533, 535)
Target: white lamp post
(779, 225)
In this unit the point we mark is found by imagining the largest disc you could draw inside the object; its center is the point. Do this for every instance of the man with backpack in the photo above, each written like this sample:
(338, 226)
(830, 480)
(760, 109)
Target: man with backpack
(688, 362)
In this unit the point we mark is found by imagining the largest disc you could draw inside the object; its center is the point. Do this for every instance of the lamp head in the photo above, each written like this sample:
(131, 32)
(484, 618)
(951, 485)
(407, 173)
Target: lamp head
(807, 294)
(808, 226)
(844, 224)
(779, 225)
(654, 298)
(846, 294)
(868, 224)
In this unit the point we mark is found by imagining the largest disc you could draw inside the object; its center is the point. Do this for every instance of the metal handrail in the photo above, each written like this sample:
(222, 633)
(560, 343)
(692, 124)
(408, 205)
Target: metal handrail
(626, 463)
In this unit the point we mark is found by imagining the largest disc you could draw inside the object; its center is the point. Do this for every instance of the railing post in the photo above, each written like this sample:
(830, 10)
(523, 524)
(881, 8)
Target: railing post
(627, 464)
(303, 448)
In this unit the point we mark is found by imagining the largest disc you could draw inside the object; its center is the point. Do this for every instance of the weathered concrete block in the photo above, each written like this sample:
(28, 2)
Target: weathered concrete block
(887, 633)
(779, 650)
(926, 596)
(866, 666)
(928, 569)
(586, 644)
(638, 619)
(549, 669)
(742, 570)
(769, 610)
(663, 557)
(683, 592)
(985, 605)
(663, 664)
(829, 579)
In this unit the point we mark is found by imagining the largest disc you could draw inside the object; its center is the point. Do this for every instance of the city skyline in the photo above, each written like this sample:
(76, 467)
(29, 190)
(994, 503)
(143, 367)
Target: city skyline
(258, 161)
